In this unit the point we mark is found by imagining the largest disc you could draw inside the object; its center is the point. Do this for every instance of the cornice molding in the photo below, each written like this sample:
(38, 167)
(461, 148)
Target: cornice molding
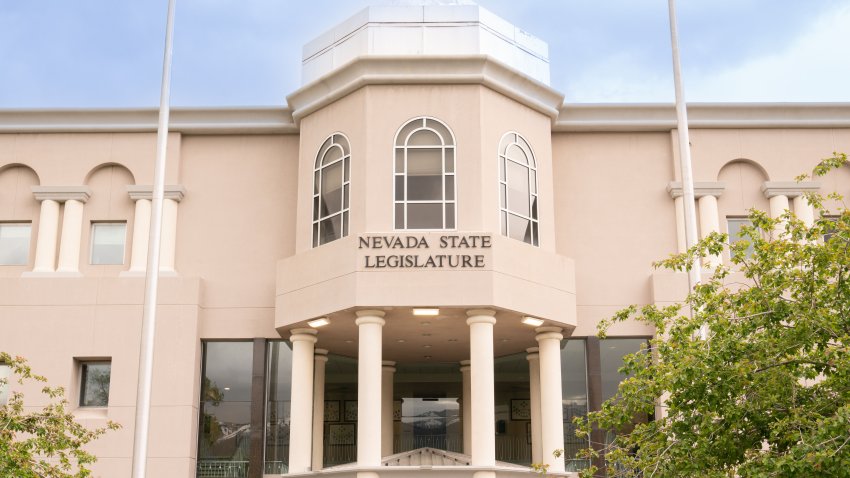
(788, 188)
(172, 191)
(701, 188)
(421, 70)
(237, 120)
(580, 117)
(62, 193)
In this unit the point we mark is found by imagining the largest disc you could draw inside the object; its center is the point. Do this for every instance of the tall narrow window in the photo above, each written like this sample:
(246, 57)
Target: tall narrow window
(425, 176)
(331, 178)
(735, 226)
(94, 383)
(518, 189)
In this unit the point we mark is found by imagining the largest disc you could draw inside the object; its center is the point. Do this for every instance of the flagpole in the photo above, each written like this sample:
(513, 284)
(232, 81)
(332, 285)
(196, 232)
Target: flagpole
(143, 393)
(694, 274)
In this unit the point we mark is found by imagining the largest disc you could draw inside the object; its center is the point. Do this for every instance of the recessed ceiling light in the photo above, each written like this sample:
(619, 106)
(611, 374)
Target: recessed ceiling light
(349, 341)
(430, 312)
(426, 335)
(319, 322)
(401, 341)
(532, 321)
(427, 356)
(425, 323)
(427, 346)
(226, 389)
(506, 340)
(452, 340)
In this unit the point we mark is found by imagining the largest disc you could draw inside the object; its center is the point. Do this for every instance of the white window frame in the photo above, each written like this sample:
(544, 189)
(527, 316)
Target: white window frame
(401, 145)
(335, 140)
(745, 221)
(94, 224)
(512, 138)
(29, 243)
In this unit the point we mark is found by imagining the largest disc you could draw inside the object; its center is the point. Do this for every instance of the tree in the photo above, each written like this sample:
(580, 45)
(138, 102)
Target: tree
(46, 443)
(767, 394)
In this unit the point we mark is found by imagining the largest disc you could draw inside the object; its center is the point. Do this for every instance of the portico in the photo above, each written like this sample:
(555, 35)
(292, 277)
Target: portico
(458, 399)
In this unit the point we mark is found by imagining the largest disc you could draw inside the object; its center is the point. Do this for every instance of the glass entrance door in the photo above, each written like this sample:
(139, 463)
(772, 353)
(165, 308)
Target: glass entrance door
(432, 423)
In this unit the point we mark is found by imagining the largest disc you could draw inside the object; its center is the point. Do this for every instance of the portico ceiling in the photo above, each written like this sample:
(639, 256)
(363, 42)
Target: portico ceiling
(409, 338)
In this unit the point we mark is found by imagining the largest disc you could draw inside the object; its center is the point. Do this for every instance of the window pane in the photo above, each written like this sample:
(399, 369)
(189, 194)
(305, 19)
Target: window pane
(502, 169)
(224, 438)
(331, 189)
(574, 390)
(399, 188)
(345, 196)
(424, 174)
(399, 216)
(405, 131)
(611, 353)
(330, 229)
(441, 129)
(14, 244)
(517, 154)
(424, 216)
(424, 137)
(345, 224)
(518, 193)
(450, 160)
(450, 215)
(315, 234)
(94, 385)
(399, 160)
(346, 173)
(316, 182)
(734, 227)
(5, 373)
(519, 228)
(503, 192)
(315, 208)
(333, 154)
(108, 243)
(278, 411)
(504, 223)
(534, 181)
(450, 187)
(535, 238)
(534, 207)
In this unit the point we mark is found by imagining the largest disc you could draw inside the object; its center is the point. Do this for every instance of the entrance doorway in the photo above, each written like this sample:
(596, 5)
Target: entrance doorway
(427, 407)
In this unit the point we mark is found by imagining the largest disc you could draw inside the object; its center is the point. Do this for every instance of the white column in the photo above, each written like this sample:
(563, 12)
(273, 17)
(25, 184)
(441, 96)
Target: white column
(681, 242)
(551, 398)
(301, 421)
(387, 372)
(709, 221)
(534, 395)
(481, 322)
(169, 235)
(467, 407)
(141, 230)
(48, 228)
(370, 325)
(69, 244)
(804, 211)
(319, 360)
(778, 206)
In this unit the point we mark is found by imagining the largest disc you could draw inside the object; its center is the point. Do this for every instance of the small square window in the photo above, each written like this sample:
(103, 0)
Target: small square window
(107, 242)
(15, 243)
(94, 383)
(734, 228)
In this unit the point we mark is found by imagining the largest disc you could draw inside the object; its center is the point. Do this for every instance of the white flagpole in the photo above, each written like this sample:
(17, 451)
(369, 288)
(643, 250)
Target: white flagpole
(694, 276)
(143, 394)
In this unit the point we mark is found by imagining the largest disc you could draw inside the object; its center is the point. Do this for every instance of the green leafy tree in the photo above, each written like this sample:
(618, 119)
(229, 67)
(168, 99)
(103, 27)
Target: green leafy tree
(767, 393)
(46, 443)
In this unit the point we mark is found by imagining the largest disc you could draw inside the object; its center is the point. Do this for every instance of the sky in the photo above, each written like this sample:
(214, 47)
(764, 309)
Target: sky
(108, 53)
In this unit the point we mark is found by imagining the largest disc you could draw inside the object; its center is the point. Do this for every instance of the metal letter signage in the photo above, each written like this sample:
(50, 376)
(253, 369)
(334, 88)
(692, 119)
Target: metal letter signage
(425, 251)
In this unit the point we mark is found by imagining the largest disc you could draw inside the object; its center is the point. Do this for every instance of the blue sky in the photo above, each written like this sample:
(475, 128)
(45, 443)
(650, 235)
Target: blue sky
(108, 53)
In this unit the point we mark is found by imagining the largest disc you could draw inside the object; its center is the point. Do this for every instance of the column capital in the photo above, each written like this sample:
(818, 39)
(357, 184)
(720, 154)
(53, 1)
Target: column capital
(701, 188)
(303, 335)
(790, 189)
(480, 312)
(62, 193)
(320, 355)
(533, 353)
(388, 366)
(370, 316)
(140, 191)
(480, 316)
(464, 366)
(546, 333)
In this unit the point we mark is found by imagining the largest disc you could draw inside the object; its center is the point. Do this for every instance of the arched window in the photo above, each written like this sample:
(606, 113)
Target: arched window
(331, 178)
(424, 176)
(518, 189)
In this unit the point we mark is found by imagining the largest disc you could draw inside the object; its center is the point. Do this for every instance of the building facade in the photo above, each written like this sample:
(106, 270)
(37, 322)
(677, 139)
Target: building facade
(400, 272)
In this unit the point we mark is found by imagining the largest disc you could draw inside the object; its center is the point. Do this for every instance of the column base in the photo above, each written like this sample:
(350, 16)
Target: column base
(484, 474)
(369, 474)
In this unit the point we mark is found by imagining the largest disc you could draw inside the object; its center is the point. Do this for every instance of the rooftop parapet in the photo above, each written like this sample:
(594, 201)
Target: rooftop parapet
(427, 28)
